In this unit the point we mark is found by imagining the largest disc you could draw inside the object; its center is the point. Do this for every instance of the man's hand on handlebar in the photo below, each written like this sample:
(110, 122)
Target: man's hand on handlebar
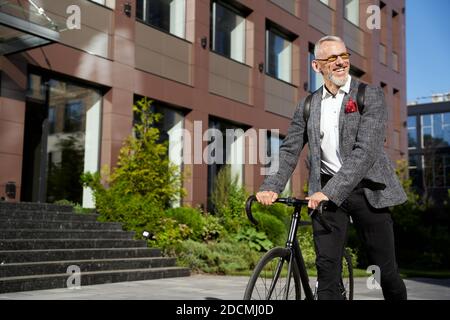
(315, 199)
(266, 197)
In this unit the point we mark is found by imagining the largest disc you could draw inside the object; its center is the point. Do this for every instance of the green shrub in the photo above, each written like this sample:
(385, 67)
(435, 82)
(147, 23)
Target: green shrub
(278, 210)
(212, 229)
(306, 242)
(421, 241)
(144, 182)
(169, 233)
(190, 217)
(77, 208)
(224, 257)
(228, 200)
(275, 229)
(257, 241)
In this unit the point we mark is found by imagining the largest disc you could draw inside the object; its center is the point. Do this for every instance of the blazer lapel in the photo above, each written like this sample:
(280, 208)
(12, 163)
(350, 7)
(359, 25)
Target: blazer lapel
(315, 116)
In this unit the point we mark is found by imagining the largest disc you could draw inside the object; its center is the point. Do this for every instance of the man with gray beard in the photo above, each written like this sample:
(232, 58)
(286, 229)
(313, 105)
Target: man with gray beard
(348, 168)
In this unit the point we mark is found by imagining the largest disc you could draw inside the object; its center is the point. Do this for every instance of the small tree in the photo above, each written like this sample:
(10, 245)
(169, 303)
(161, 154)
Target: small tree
(228, 199)
(408, 214)
(144, 182)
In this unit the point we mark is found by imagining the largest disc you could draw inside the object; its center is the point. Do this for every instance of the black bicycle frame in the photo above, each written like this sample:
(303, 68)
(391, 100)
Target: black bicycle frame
(292, 242)
(296, 253)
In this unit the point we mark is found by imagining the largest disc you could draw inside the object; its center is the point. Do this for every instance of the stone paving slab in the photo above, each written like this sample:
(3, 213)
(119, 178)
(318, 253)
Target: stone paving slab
(211, 287)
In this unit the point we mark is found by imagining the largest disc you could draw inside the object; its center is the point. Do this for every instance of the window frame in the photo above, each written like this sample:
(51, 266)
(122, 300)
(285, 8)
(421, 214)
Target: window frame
(147, 23)
(238, 10)
(286, 35)
(346, 17)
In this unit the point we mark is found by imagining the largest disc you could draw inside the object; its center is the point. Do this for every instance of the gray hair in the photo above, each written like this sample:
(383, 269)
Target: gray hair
(323, 39)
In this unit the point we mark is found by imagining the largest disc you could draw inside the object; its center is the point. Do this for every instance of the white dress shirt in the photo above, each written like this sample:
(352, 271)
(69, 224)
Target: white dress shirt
(330, 108)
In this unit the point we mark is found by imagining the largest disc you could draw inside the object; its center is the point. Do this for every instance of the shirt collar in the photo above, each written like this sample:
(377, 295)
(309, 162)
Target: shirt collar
(345, 88)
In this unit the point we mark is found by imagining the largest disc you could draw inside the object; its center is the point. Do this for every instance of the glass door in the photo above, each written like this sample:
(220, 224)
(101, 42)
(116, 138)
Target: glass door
(68, 140)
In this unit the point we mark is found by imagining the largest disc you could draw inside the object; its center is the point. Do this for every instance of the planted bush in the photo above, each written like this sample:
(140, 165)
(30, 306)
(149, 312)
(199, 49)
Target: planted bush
(190, 217)
(221, 257)
(274, 228)
(228, 199)
(256, 240)
(144, 182)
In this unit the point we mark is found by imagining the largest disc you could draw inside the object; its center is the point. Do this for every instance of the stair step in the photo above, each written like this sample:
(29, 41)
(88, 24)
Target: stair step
(64, 234)
(38, 244)
(42, 282)
(48, 216)
(19, 256)
(32, 206)
(59, 225)
(60, 267)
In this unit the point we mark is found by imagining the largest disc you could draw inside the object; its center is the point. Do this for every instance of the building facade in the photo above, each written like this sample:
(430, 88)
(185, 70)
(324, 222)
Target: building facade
(70, 76)
(429, 148)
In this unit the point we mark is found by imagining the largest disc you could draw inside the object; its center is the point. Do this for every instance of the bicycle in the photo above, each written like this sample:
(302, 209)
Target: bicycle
(272, 277)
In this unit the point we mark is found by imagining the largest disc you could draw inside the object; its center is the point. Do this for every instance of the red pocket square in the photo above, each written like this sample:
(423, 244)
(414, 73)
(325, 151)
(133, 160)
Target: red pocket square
(351, 106)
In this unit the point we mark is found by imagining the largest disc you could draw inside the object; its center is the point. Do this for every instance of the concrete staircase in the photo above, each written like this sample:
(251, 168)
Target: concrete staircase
(38, 243)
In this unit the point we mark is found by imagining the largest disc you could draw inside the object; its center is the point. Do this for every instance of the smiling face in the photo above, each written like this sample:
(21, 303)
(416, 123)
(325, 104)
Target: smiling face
(335, 74)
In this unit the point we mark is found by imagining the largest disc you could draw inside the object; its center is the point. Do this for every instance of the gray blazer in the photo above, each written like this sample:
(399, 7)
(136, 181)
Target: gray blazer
(361, 143)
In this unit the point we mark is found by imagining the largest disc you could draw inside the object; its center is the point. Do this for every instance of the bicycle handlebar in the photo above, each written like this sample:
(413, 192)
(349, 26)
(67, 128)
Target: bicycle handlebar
(294, 202)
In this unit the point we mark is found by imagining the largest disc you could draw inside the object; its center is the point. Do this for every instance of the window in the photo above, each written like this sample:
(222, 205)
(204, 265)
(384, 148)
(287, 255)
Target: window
(414, 172)
(36, 88)
(351, 11)
(435, 170)
(102, 2)
(279, 53)
(384, 20)
(315, 79)
(167, 15)
(447, 170)
(225, 147)
(396, 29)
(382, 53)
(395, 61)
(412, 132)
(73, 116)
(51, 119)
(228, 31)
(435, 130)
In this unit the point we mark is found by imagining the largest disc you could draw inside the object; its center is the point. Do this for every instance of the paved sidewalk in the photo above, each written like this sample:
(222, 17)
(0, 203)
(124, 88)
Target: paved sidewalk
(201, 287)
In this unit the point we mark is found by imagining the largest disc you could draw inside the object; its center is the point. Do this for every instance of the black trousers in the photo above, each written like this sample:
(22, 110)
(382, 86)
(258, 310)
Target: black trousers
(375, 228)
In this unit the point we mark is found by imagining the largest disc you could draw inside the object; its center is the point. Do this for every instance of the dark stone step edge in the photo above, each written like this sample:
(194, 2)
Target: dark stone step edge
(60, 267)
(43, 282)
(67, 244)
(37, 234)
(34, 206)
(23, 256)
(15, 224)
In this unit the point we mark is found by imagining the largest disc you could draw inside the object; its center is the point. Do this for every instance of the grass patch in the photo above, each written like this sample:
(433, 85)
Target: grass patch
(436, 274)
